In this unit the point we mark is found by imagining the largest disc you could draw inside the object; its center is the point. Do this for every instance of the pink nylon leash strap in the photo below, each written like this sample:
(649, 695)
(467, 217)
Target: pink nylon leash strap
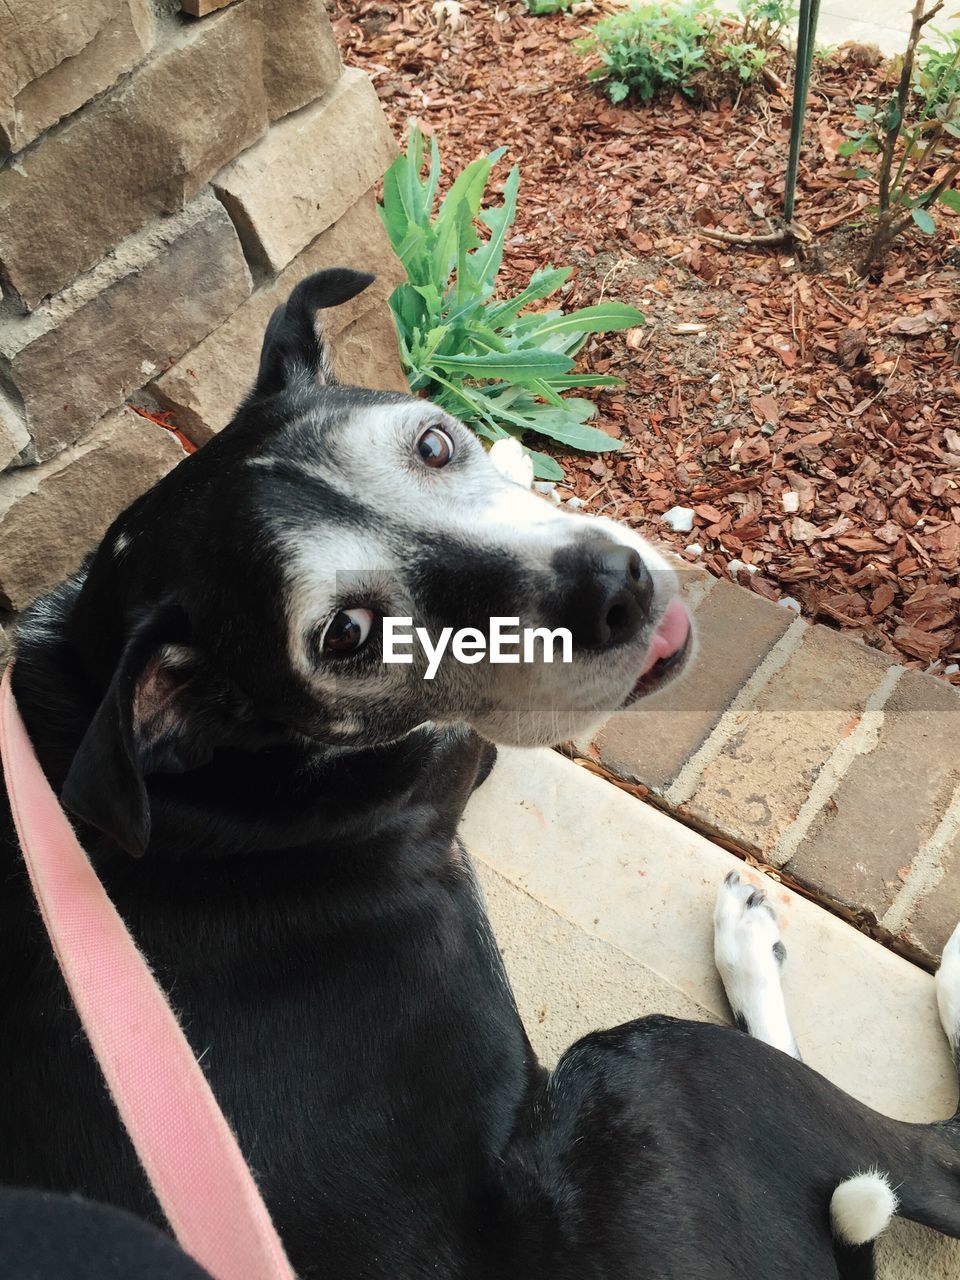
(186, 1147)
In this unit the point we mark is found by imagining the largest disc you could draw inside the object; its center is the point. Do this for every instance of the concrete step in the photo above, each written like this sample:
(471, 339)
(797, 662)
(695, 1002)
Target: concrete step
(603, 907)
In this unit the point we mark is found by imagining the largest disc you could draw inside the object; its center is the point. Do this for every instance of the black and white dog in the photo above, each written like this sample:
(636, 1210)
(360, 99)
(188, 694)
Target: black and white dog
(274, 809)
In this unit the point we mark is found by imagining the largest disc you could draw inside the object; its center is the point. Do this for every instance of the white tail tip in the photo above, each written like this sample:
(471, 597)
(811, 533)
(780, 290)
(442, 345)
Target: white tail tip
(861, 1207)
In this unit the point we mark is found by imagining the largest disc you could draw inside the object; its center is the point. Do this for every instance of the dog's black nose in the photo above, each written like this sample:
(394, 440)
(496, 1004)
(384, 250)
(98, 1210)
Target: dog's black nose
(605, 594)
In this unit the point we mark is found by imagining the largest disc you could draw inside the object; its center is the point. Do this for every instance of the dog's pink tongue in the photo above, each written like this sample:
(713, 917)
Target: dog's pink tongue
(671, 635)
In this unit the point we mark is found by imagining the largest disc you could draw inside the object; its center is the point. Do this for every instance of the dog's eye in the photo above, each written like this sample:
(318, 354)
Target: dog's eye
(435, 447)
(347, 631)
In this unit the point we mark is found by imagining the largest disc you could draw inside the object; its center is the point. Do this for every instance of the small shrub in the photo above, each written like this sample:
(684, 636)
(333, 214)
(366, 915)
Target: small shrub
(914, 133)
(938, 70)
(764, 21)
(648, 49)
(692, 46)
(538, 7)
(744, 59)
(498, 366)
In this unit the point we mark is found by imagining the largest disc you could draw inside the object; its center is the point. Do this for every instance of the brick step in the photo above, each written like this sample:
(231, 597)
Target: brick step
(814, 756)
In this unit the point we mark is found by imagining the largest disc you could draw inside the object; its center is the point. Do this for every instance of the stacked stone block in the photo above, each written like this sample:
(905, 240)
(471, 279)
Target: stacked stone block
(167, 174)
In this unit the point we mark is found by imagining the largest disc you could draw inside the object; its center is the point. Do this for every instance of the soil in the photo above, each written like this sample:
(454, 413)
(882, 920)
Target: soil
(810, 419)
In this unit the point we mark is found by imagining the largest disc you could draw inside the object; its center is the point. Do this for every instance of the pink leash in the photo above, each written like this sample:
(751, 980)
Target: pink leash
(184, 1143)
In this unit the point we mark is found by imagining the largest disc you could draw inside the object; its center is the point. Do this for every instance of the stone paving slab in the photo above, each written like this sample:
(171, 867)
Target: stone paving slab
(633, 877)
(603, 908)
(882, 22)
(568, 983)
(804, 749)
(885, 23)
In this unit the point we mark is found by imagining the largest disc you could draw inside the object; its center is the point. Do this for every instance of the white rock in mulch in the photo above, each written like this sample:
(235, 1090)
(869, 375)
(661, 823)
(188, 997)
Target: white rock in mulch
(803, 531)
(790, 501)
(788, 602)
(694, 549)
(548, 489)
(735, 566)
(575, 503)
(680, 519)
(447, 13)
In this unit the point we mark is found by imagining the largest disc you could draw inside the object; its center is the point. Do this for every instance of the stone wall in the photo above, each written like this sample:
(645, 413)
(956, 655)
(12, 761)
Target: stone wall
(167, 173)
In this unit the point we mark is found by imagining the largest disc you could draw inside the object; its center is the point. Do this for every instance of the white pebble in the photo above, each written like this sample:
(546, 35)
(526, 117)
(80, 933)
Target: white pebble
(680, 519)
(788, 602)
(790, 501)
(952, 670)
(736, 565)
(548, 489)
(575, 503)
(694, 549)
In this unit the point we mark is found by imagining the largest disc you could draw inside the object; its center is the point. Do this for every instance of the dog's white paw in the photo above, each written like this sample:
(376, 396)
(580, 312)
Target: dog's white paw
(512, 461)
(746, 937)
(947, 983)
(749, 954)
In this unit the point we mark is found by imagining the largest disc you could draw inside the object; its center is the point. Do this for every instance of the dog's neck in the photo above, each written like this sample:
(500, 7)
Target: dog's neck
(402, 800)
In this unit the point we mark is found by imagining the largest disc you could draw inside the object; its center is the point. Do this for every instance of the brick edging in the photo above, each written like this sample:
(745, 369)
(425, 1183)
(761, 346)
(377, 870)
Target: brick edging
(812, 755)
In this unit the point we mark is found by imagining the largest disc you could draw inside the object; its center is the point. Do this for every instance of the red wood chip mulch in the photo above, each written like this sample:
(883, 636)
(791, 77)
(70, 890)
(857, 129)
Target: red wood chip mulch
(811, 420)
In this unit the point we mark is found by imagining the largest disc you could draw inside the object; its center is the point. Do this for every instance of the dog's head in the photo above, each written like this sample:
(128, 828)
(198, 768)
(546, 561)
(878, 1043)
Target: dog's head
(243, 601)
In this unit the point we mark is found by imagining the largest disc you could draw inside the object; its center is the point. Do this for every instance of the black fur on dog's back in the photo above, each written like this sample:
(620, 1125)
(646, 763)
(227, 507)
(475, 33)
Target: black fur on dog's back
(275, 961)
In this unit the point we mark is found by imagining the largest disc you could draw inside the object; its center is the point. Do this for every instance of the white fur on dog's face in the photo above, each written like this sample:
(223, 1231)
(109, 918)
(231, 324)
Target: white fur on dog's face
(370, 525)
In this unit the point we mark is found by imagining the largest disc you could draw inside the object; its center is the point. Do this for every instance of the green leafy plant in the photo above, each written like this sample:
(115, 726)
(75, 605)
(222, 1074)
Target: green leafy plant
(647, 49)
(938, 69)
(538, 7)
(691, 46)
(744, 59)
(764, 21)
(914, 132)
(499, 366)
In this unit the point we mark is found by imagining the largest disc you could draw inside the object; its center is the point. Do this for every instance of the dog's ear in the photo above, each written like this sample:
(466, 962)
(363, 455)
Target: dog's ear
(291, 346)
(166, 710)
